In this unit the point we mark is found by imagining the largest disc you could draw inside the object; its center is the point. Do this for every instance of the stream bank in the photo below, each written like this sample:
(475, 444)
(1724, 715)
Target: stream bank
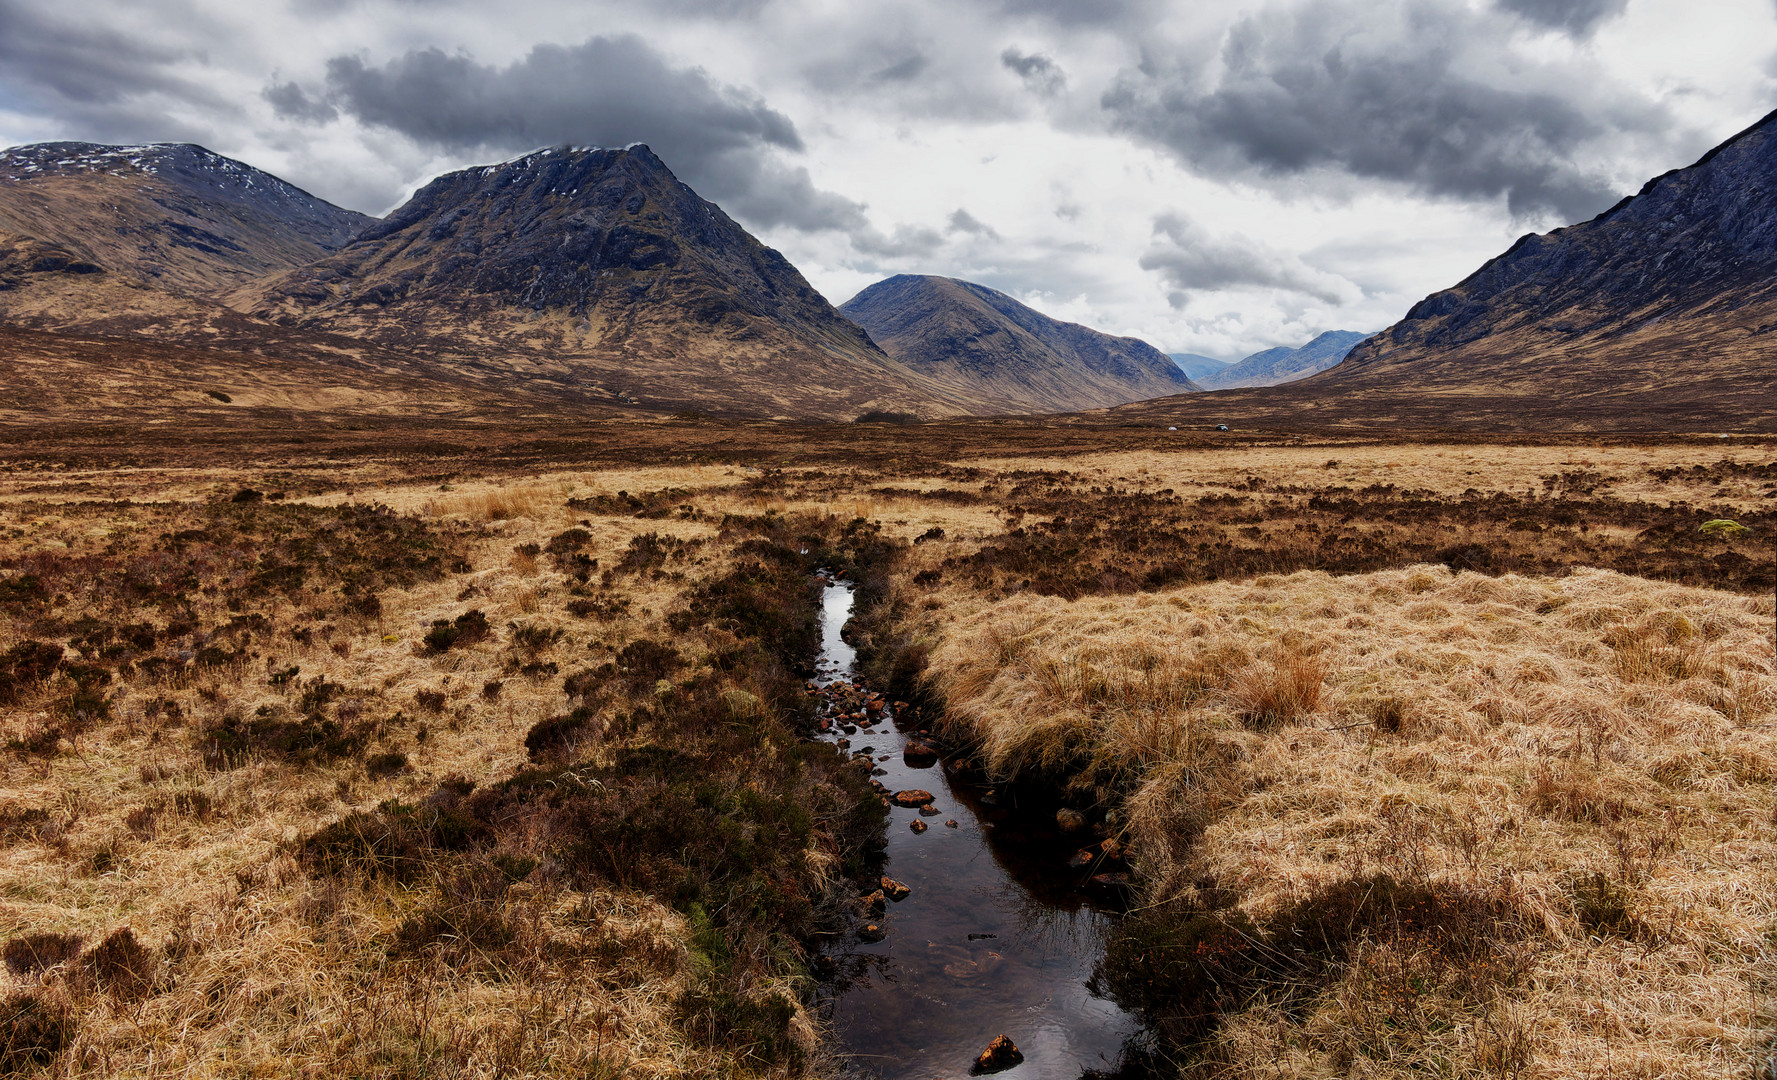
(1002, 922)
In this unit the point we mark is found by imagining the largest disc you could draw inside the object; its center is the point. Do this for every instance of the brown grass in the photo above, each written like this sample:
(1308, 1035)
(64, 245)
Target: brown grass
(1574, 766)
(1589, 751)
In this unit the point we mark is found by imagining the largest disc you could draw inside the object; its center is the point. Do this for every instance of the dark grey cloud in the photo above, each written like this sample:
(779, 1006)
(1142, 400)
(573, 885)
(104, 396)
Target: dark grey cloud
(1305, 89)
(1190, 260)
(1077, 12)
(1039, 72)
(1576, 17)
(961, 220)
(292, 102)
(98, 82)
(607, 91)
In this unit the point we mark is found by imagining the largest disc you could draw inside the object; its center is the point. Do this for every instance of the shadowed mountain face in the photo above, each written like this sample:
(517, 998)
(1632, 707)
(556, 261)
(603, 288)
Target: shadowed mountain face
(599, 267)
(970, 336)
(1284, 364)
(1660, 313)
(1669, 296)
(173, 216)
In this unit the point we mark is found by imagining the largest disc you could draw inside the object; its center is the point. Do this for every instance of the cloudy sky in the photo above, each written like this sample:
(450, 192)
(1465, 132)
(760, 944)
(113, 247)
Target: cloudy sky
(1215, 177)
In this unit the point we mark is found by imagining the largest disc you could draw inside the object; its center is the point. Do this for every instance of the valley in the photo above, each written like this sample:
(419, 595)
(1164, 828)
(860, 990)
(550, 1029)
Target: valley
(514, 763)
(538, 633)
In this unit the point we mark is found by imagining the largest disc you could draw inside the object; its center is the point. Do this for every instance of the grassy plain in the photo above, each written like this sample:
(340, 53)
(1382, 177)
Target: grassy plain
(469, 751)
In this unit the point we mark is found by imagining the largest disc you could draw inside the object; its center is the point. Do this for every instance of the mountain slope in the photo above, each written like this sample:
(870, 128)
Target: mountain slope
(970, 336)
(1658, 314)
(598, 267)
(172, 216)
(1671, 295)
(1280, 365)
(1196, 365)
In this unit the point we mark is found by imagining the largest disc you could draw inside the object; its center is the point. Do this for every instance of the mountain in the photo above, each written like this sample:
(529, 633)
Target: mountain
(976, 339)
(1280, 365)
(1196, 365)
(1658, 314)
(1668, 299)
(172, 216)
(598, 267)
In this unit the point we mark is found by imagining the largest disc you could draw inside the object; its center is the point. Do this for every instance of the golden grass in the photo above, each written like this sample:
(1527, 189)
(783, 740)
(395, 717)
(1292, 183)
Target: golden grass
(281, 974)
(1279, 736)
(1624, 472)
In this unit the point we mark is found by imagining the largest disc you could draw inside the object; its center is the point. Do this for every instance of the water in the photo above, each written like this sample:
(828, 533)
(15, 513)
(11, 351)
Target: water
(998, 936)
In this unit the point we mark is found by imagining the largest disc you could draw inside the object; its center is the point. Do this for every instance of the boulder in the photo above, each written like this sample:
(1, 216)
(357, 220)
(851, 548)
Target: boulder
(913, 797)
(895, 890)
(917, 825)
(871, 932)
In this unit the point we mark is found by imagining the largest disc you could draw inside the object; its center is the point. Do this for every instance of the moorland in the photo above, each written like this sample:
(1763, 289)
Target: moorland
(469, 749)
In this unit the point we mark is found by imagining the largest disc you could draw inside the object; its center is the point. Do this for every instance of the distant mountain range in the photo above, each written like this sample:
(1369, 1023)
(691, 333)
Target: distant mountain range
(1660, 313)
(594, 281)
(979, 340)
(1196, 366)
(591, 275)
(1283, 364)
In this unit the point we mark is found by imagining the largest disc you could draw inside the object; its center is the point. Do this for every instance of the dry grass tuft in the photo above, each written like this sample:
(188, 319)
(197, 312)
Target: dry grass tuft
(1584, 757)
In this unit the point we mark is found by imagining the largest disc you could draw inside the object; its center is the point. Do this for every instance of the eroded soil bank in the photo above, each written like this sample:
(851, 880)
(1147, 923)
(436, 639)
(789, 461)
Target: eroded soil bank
(1001, 925)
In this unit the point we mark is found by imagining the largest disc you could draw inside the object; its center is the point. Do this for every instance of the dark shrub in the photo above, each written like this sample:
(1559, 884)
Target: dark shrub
(120, 964)
(28, 954)
(566, 543)
(248, 495)
(385, 764)
(233, 741)
(32, 1031)
(468, 628)
(25, 666)
(558, 733)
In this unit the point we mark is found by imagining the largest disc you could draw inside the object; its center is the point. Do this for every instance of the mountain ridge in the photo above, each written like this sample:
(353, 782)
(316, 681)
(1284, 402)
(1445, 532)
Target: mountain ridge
(1270, 367)
(962, 333)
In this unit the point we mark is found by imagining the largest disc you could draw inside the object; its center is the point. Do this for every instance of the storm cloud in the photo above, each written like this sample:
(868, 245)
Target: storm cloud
(1578, 17)
(103, 81)
(1348, 88)
(606, 91)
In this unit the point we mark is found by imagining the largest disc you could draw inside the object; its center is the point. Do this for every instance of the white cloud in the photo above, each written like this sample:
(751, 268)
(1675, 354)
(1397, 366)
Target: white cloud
(973, 139)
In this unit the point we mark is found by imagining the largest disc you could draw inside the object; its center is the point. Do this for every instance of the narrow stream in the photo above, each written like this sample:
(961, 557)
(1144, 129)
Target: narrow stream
(998, 935)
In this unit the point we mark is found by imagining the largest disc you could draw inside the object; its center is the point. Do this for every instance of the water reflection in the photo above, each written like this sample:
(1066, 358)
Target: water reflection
(996, 937)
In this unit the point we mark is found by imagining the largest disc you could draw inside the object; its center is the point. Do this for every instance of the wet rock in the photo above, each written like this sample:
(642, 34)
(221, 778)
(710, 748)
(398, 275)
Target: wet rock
(1112, 848)
(917, 825)
(1069, 820)
(952, 824)
(1002, 1053)
(913, 797)
(878, 772)
(849, 729)
(1114, 880)
(884, 757)
(843, 744)
(895, 890)
(875, 903)
(919, 754)
(871, 932)
(929, 811)
(981, 937)
(1082, 858)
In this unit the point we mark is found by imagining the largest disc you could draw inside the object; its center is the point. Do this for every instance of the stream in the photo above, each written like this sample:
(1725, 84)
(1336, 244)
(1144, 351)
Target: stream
(998, 935)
